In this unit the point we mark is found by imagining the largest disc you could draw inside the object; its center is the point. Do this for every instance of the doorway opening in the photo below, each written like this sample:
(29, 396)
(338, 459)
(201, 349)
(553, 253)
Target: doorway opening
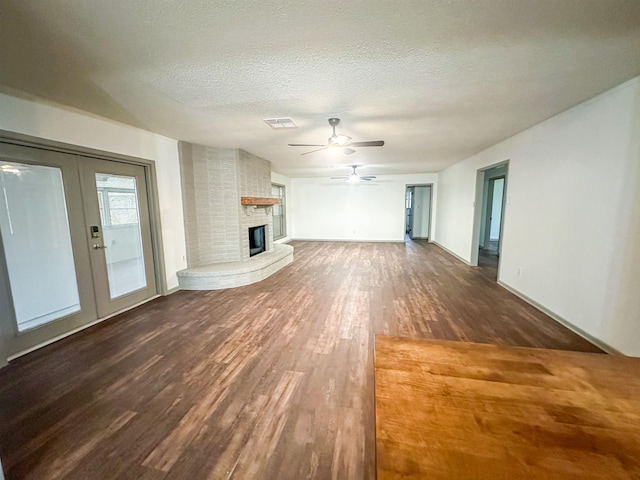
(492, 213)
(418, 212)
(491, 199)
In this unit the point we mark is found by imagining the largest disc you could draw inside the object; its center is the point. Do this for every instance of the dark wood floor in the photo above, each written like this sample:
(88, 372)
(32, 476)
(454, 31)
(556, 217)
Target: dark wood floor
(272, 380)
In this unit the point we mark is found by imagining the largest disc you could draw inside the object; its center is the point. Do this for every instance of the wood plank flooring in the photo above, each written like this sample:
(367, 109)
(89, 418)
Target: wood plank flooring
(269, 381)
(458, 410)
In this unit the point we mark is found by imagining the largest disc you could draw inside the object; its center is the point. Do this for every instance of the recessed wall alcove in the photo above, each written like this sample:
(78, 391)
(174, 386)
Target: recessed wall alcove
(217, 223)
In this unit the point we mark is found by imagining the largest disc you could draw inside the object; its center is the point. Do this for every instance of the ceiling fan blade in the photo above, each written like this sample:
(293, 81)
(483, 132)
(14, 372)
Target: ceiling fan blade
(305, 145)
(373, 143)
(367, 177)
(317, 150)
(340, 178)
(348, 151)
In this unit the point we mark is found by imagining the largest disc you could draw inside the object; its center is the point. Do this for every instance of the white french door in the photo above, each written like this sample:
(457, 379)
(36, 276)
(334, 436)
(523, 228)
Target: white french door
(118, 233)
(76, 241)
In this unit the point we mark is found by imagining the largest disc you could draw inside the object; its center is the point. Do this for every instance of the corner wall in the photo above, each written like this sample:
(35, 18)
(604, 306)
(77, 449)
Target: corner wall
(572, 219)
(211, 195)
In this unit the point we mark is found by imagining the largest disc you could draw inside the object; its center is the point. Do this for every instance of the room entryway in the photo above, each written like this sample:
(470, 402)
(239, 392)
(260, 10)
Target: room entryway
(493, 215)
(491, 200)
(418, 211)
(76, 241)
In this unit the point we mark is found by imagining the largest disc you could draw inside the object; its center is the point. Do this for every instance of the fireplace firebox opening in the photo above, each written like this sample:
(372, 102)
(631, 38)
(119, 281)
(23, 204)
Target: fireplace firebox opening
(257, 243)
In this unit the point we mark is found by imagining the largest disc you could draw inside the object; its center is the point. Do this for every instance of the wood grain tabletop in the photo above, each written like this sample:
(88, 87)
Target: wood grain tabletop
(460, 410)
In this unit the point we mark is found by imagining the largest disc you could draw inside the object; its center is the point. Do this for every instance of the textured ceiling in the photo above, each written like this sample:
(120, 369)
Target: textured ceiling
(437, 80)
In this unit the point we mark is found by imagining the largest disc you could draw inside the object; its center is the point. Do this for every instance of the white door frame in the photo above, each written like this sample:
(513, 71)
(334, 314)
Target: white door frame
(477, 212)
(404, 210)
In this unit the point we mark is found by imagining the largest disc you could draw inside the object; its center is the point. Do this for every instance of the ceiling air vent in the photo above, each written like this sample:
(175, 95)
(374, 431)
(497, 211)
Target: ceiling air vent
(285, 122)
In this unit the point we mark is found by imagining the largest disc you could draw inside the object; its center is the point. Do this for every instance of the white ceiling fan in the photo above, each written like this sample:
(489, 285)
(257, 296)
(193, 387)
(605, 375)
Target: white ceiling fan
(342, 142)
(354, 177)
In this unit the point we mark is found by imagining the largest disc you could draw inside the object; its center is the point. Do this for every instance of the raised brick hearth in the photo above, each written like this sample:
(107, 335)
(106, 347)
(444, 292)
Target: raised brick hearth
(217, 224)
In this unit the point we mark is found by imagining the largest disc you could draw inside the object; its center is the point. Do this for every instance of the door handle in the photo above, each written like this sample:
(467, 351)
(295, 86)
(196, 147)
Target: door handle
(97, 246)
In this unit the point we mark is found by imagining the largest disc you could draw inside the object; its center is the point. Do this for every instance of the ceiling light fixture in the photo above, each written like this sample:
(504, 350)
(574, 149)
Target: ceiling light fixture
(343, 142)
(354, 177)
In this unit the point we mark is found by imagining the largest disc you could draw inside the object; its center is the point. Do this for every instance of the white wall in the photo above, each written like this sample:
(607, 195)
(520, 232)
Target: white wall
(286, 181)
(70, 126)
(572, 219)
(325, 209)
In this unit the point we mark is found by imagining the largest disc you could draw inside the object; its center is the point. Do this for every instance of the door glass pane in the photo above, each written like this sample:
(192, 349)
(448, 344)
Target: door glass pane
(37, 244)
(119, 212)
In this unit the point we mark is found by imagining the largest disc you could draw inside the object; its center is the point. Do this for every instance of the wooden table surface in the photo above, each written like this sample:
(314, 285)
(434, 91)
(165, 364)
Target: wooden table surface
(460, 410)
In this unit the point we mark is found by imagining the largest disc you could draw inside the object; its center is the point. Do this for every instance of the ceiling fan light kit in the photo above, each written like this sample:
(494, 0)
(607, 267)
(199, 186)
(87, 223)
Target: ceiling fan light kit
(338, 141)
(354, 177)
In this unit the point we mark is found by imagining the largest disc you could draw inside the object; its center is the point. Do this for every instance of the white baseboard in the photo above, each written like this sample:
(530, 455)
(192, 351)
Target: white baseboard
(577, 330)
(590, 338)
(79, 329)
(451, 253)
(344, 240)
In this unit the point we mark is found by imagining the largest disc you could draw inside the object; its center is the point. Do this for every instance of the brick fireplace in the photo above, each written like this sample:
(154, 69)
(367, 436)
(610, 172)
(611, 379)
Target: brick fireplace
(217, 225)
(226, 192)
